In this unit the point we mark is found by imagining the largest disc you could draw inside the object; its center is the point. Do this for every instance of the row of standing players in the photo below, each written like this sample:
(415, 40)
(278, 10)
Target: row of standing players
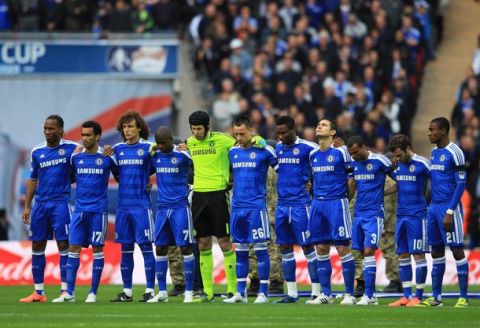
(316, 224)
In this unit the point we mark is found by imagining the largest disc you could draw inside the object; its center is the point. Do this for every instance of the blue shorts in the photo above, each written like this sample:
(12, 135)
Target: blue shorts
(292, 224)
(366, 232)
(330, 222)
(134, 225)
(173, 226)
(411, 235)
(88, 228)
(48, 218)
(437, 236)
(249, 226)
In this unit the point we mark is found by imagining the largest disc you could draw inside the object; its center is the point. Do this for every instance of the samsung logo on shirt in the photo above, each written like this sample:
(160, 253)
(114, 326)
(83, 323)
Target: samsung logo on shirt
(329, 168)
(204, 152)
(167, 170)
(289, 161)
(53, 162)
(244, 164)
(406, 178)
(89, 171)
(130, 162)
(365, 177)
(438, 167)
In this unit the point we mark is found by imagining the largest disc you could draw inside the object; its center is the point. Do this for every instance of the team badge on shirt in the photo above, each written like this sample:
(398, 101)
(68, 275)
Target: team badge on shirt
(212, 144)
(296, 151)
(442, 158)
(140, 152)
(330, 158)
(411, 168)
(61, 152)
(99, 161)
(174, 160)
(369, 166)
(252, 155)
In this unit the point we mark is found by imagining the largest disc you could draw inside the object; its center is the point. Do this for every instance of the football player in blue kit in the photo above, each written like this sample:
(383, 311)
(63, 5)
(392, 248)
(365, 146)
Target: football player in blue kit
(411, 174)
(49, 183)
(91, 170)
(134, 222)
(445, 213)
(249, 219)
(330, 217)
(292, 216)
(369, 171)
(173, 222)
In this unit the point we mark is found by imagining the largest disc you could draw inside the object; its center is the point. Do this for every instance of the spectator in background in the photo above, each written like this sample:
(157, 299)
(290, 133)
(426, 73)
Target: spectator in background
(282, 97)
(355, 28)
(206, 57)
(464, 109)
(4, 224)
(78, 15)
(52, 15)
(391, 110)
(29, 15)
(244, 22)
(9, 15)
(274, 26)
(119, 18)
(240, 57)
(289, 13)
(226, 106)
(476, 58)
(411, 36)
(423, 17)
(142, 20)
(166, 14)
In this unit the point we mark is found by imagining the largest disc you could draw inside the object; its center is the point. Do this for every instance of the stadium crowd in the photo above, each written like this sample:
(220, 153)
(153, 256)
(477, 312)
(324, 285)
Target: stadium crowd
(358, 62)
(465, 118)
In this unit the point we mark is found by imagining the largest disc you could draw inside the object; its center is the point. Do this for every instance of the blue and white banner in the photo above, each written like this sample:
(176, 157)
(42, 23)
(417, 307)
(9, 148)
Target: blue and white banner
(157, 59)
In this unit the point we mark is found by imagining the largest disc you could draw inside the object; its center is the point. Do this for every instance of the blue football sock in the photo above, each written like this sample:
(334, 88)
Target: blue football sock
(312, 266)
(406, 276)
(63, 266)
(73, 263)
(348, 270)
(161, 267)
(462, 273)
(438, 270)
(261, 250)
(126, 265)
(288, 266)
(369, 274)
(420, 277)
(189, 270)
(324, 267)
(97, 269)
(38, 270)
(241, 252)
(149, 263)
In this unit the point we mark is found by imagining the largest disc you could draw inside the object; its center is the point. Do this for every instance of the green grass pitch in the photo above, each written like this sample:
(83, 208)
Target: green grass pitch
(176, 314)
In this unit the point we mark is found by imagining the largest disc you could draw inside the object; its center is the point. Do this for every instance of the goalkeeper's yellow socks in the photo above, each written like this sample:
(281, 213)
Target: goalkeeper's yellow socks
(230, 270)
(206, 269)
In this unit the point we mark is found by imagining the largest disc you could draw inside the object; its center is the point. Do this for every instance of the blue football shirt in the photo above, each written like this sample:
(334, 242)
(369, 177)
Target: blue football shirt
(448, 170)
(331, 170)
(249, 170)
(369, 178)
(51, 167)
(92, 172)
(411, 181)
(294, 172)
(134, 170)
(172, 170)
